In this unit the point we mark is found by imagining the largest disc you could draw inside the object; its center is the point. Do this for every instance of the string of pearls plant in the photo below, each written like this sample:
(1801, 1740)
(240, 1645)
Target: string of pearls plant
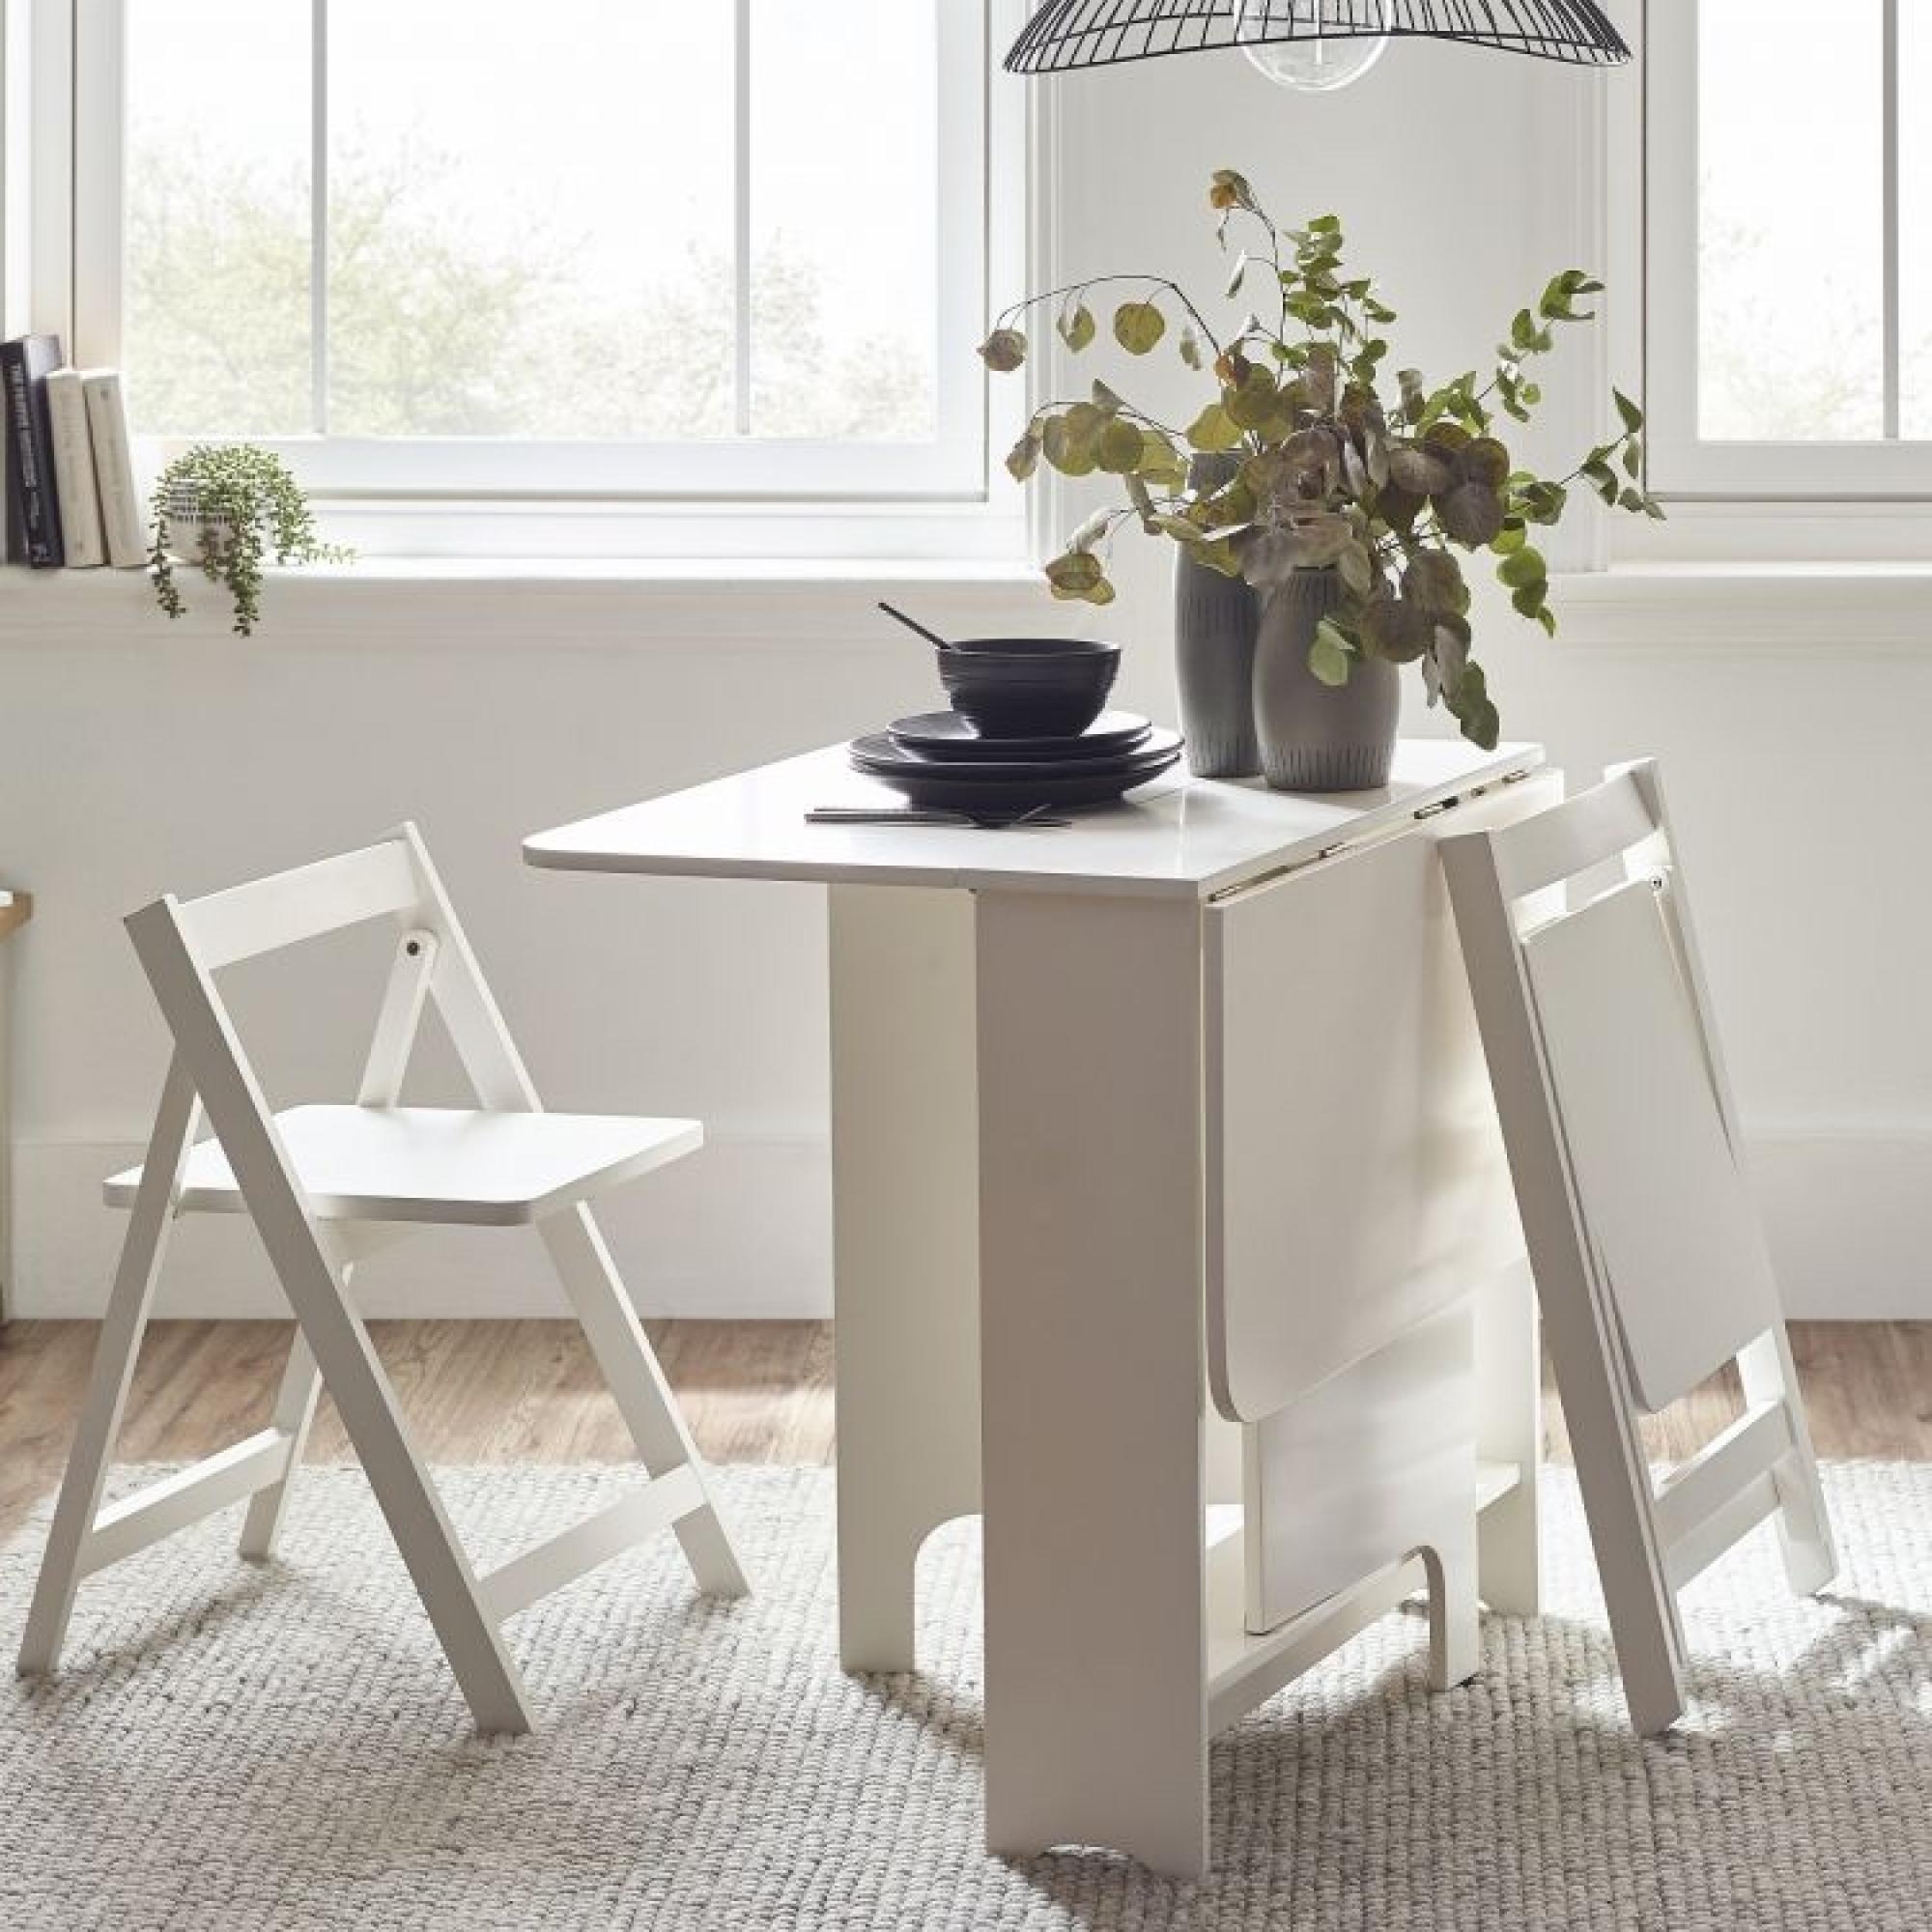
(224, 509)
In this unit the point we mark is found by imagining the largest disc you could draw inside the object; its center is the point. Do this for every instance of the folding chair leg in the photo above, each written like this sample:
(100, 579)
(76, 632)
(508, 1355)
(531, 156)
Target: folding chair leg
(437, 1564)
(1616, 1481)
(295, 1411)
(630, 1368)
(115, 1354)
(1804, 1528)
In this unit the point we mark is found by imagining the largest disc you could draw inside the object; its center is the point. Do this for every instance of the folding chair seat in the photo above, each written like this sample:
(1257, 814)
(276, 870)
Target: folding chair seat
(1629, 1177)
(328, 1185)
(462, 1166)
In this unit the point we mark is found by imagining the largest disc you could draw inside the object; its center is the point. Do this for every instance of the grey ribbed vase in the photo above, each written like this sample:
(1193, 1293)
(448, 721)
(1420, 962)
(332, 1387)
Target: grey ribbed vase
(1215, 622)
(1313, 736)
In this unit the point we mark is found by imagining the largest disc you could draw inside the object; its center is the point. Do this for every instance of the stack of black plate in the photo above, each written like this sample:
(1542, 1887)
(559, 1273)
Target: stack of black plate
(940, 760)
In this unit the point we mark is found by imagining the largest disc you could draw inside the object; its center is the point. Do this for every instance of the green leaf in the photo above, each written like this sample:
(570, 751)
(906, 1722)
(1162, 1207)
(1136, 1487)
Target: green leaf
(1190, 346)
(1357, 572)
(1419, 469)
(1004, 350)
(1237, 276)
(1328, 655)
(1433, 583)
(1254, 400)
(1472, 514)
(1469, 699)
(1485, 460)
(1398, 629)
(1161, 464)
(1600, 477)
(1213, 430)
(1633, 416)
(1076, 326)
(1120, 448)
(1068, 451)
(1522, 566)
(1079, 575)
(1138, 326)
(1023, 459)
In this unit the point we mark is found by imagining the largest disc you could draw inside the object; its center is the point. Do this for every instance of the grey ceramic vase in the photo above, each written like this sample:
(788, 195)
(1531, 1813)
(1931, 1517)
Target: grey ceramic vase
(1313, 736)
(1215, 621)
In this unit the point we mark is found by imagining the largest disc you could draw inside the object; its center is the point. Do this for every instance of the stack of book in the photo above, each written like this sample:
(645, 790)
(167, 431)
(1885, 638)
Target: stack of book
(71, 496)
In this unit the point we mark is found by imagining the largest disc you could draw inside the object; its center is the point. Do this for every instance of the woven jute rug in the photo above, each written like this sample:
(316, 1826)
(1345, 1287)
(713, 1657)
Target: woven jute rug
(283, 1747)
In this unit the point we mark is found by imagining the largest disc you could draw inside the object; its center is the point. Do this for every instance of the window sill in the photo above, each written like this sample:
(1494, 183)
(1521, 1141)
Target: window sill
(1765, 607)
(512, 603)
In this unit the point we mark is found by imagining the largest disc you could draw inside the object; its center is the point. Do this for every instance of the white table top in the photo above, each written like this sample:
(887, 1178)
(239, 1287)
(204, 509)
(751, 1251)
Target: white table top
(1179, 836)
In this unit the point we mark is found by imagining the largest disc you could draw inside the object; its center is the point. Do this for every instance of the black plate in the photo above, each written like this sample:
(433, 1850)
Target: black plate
(884, 757)
(966, 789)
(944, 735)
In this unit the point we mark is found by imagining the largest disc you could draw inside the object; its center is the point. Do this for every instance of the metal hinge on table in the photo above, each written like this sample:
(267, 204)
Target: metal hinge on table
(1434, 810)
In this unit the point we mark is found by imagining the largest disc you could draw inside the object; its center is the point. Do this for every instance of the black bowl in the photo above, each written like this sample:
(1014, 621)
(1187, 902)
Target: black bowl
(1029, 687)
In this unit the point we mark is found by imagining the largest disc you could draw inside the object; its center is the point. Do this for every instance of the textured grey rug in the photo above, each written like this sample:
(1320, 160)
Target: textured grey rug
(284, 1748)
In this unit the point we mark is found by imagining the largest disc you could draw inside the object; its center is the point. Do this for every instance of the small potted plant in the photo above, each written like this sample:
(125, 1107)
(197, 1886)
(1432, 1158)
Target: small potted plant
(224, 509)
(1332, 509)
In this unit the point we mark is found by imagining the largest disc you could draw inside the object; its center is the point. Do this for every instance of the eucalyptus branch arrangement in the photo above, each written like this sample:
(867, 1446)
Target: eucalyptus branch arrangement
(243, 505)
(1325, 470)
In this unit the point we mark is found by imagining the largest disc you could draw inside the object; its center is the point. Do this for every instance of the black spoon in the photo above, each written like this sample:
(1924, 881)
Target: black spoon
(913, 624)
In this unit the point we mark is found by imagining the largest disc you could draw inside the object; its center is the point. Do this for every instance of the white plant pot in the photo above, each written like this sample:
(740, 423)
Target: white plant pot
(188, 535)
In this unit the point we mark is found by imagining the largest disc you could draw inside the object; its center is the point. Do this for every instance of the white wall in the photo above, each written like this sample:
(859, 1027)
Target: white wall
(139, 757)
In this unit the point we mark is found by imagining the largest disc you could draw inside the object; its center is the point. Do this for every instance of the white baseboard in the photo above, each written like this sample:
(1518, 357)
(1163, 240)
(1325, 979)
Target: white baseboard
(744, 1231)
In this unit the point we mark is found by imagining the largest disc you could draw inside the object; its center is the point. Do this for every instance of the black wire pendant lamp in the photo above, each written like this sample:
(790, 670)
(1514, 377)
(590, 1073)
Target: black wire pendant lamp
(1315, 44)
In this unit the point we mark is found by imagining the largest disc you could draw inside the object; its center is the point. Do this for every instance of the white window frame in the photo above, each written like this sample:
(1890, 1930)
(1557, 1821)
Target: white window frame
(525, 497)
(1683, 466)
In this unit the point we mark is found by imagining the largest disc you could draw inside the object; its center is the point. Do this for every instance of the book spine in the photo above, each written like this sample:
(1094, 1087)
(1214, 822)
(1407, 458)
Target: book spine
(10, 468)
(114, 468)
(73, 471)
(32, 458)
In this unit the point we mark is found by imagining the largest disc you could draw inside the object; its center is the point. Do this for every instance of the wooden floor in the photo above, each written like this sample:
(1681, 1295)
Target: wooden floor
(755, 1392)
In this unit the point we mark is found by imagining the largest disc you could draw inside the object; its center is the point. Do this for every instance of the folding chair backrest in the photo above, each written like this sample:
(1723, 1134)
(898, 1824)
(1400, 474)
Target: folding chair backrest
(395, 879)
(1617, 1004)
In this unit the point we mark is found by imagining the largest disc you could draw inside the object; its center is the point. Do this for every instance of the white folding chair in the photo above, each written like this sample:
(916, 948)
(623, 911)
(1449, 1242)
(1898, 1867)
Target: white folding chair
(328, 1185)
(1629, 1178)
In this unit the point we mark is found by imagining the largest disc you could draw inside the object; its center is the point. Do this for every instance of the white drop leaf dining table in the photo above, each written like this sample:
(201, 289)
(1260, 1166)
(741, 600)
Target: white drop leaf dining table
(1113, 1185)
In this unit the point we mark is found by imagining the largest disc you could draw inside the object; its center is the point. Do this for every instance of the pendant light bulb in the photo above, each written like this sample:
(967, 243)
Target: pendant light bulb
(1334, 42)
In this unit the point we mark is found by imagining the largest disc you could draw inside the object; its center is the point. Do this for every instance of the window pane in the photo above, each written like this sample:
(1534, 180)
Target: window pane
(1914, 219)
(845, 185)
(217, 258)
(1790, 241)
(530, 224)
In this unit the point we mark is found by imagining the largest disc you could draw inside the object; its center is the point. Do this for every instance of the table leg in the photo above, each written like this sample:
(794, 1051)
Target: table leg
(1090, 1348)
(1509, 1429)
(906, 1210)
